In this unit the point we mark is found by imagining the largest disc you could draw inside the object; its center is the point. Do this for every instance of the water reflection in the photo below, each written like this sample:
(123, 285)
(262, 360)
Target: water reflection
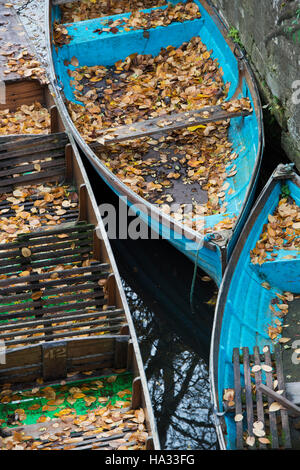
(174, 342)
(177, 380)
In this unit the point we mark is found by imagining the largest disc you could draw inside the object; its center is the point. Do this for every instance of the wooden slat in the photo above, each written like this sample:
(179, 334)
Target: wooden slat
(130, 353)
(34, 178)
(63, 318)
(24, 357)
(33, 142)
(69, 163)
(23, 377)
(47, 236)
(93, 442)
(248, 392)
(69, 258)
(62, 275)
(54, 360)
(91, 345)
(281, 386)
(80, 241)
(36, 149)
(111, 289)
(136, 400)
(71, 281)
(72, 227)
(94, 360)
(289, 406)
(62, 2)
(56, 336)
(83, 204)
(121, 351)
(54, 120)
(272, 416)
(111, 321)
(55, 309)
(259, 398)
(78, 354)
(25, 168)
(169, 122)
(17, 163)
(53, 293)
(238, 397)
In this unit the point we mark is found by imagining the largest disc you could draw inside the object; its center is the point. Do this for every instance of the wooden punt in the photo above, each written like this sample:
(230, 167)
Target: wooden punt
(254, 363)
(71, 374)
(100, 41)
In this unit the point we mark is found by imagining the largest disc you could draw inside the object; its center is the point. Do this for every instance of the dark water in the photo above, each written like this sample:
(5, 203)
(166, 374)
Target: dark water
(174, 342)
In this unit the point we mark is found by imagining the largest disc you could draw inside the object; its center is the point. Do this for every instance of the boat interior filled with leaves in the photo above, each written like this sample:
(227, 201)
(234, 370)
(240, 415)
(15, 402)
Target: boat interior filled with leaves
(255, 350)
(71, 374)
(165, 107)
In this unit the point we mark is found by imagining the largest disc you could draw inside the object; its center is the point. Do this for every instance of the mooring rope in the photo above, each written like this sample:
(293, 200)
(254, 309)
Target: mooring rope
(194, 278)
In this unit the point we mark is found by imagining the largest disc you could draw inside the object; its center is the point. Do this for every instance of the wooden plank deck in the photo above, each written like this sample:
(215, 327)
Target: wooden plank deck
(169, 122)
(257, 425)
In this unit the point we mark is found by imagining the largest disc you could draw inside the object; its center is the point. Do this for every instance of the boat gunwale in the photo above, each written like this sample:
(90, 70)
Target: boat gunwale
(68, 129)
(215, 239)
(81, 179)
(224, 290)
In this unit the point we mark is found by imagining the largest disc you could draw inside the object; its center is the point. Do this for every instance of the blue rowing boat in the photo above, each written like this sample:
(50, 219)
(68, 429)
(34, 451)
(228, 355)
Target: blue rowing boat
(197, 145)
(256, 327)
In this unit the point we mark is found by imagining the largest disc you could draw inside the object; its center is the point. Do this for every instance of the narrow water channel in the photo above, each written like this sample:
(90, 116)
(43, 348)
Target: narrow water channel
(157, 279)
(174, 342)
(174, 339)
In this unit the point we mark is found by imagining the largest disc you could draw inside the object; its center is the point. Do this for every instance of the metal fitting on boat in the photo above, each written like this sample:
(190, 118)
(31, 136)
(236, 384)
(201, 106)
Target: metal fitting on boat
(221, 238)
(238, 52)
(283, 170)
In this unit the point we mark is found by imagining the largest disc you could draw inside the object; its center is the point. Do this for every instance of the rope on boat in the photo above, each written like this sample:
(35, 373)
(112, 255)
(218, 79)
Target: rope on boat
(194, 278)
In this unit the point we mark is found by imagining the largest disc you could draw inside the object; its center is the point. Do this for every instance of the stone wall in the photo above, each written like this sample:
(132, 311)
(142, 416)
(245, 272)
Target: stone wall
(270, 33)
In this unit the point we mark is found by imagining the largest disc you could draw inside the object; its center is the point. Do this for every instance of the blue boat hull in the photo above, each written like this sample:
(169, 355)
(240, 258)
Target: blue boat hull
(246, 134)
(243, 312)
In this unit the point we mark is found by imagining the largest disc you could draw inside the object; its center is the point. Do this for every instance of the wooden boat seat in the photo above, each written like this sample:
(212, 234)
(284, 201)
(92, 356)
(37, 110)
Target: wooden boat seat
(33, 160)
(108, 357)
(169, 122)
(253, 399)
(54, 360)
